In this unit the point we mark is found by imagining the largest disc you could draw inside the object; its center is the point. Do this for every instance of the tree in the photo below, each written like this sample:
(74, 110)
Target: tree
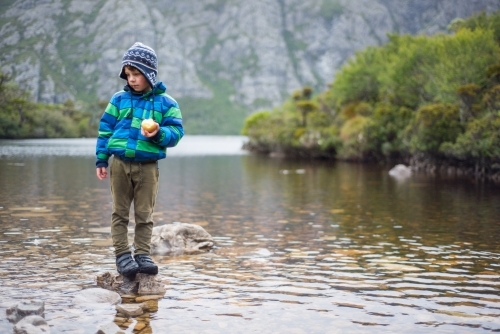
(304, 104)
(468, 96)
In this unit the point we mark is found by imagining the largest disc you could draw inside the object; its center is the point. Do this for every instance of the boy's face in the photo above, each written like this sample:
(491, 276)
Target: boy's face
(136, 80)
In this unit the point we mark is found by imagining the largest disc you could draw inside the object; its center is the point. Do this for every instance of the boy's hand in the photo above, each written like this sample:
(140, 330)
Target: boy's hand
(150, 134)
(102, 173)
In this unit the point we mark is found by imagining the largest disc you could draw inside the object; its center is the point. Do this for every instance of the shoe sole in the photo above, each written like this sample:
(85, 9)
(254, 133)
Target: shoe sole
(149, 271)
(129, 273)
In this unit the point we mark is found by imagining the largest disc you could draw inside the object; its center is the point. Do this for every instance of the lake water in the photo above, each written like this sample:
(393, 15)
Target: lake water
(302, 246)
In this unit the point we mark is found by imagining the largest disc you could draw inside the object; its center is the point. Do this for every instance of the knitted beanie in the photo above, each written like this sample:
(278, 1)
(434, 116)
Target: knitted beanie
(144, 59)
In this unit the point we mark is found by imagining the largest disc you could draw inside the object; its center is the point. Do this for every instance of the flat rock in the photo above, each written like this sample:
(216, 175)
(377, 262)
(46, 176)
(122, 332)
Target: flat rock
(146, 298)
(143, 284)
(178, 238)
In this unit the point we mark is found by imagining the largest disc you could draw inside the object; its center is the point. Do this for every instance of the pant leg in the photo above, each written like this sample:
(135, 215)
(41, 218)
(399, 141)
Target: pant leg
(122, 192)
(145, 192)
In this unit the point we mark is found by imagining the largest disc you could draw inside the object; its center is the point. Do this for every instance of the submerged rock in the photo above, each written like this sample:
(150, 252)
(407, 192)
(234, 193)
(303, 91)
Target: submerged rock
(150, 305)
(97, 296)
(143, 284)
(33, 324)
(400, 267)
(25, 309)
(255, 263)
(110, 328)
(130, 310)
(178, 238)
(400, 171)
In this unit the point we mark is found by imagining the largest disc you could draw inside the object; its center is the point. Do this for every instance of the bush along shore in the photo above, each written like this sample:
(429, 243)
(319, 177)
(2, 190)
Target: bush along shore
(21, 118)
(432, 102)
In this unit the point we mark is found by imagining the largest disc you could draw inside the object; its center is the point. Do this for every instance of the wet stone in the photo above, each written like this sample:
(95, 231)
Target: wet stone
(120, 320)
(150, 305)
(150, 285)
(179, 238)
(140, 326)
(128, 298)
(33, 324)
(97, 295)
(126, 323)
(130, 310)
(146, 298)
(24, 309)
(110, 328)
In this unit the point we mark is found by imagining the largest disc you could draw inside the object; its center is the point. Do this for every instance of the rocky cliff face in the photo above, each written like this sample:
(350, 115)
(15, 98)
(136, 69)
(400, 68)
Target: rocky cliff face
(254, 53)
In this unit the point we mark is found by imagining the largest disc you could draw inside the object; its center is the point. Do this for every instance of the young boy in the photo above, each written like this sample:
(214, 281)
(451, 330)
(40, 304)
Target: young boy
(134, 168)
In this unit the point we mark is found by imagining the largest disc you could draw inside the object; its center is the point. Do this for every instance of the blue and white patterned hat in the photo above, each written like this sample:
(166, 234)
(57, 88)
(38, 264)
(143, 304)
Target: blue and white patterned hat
(144, 59)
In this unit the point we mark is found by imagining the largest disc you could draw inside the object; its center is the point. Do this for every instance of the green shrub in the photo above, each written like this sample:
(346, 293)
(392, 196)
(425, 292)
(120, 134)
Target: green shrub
(385, 131)
(255, 122)
(433, 126)
(53, 123)
(481, 139)
(353, 138)
(482, 21)
(491, 99)
(359, 79)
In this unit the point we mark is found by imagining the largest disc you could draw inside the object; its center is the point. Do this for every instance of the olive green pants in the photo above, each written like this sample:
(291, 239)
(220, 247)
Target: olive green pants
(138, 183)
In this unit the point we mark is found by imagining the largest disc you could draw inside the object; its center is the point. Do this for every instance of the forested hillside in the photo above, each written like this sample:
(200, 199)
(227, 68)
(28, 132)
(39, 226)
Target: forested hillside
(425, 100)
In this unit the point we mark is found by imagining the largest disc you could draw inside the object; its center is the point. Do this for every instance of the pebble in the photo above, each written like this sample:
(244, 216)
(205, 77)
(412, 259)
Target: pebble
(130, 310)
(139, 326)
(150, 305)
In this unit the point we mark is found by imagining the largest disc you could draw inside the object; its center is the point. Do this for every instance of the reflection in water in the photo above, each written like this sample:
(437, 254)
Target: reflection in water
(306, 247)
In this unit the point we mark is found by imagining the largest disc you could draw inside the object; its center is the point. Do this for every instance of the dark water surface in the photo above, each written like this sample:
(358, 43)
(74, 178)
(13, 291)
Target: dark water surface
(302, 247)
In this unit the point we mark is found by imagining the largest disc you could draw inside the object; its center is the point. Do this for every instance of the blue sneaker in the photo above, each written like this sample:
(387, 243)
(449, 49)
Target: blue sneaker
(126, 265)
(146, 264)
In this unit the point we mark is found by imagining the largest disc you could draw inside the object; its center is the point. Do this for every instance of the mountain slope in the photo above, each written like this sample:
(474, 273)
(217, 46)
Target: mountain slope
(221, 59)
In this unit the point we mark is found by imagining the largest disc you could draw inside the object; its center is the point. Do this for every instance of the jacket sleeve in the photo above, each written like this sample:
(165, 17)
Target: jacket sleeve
(171, 129)
(106, 128)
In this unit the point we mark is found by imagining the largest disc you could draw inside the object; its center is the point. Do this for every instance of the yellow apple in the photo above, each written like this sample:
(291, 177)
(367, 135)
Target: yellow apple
(149, 125)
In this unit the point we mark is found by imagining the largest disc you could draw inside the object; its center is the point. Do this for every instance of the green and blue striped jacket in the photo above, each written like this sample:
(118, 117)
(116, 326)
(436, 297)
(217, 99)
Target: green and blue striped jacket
(120, 126)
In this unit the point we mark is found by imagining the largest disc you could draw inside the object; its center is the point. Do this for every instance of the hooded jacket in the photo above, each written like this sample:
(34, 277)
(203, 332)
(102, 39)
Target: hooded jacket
(120, 126)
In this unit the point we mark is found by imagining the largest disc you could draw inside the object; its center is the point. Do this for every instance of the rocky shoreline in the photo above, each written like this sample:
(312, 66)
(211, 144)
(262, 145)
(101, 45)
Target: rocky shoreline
(419, 163)
(460, 169)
